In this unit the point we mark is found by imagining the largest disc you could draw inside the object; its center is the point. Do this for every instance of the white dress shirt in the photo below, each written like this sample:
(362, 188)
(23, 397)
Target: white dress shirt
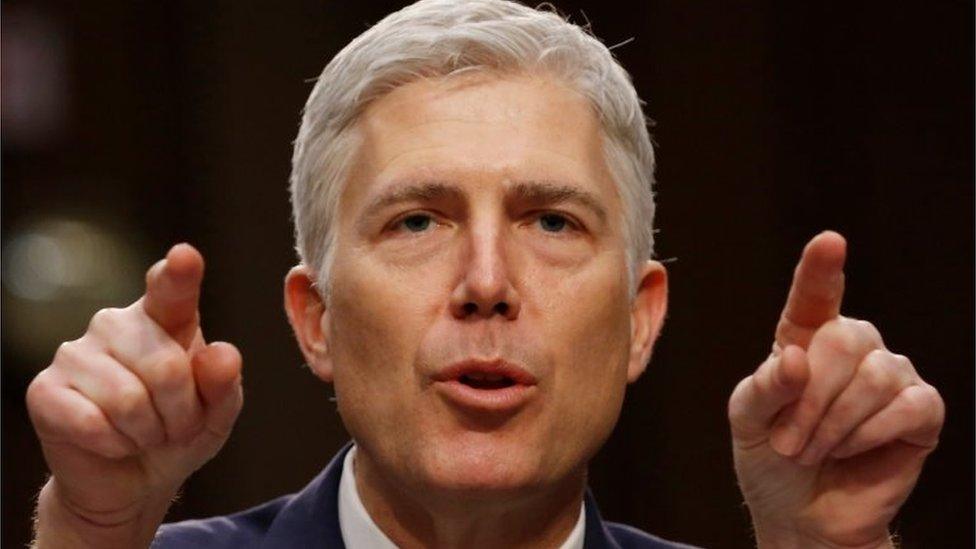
(360, 532)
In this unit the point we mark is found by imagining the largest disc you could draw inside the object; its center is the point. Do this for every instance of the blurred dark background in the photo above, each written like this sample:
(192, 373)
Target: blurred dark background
(128, 127)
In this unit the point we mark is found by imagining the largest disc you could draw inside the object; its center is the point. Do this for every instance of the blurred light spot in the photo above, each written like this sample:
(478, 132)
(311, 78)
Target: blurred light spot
(56, 273)
(33, 266)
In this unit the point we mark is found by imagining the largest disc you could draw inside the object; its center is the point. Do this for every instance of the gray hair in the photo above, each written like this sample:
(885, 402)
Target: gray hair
(436, 38)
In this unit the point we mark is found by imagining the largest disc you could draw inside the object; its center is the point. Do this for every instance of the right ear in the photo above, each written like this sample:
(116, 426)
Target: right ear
(308, 315)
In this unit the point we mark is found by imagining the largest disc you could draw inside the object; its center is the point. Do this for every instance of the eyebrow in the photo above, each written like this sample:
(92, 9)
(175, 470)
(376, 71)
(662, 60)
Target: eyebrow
(549, 192)
(414, 192)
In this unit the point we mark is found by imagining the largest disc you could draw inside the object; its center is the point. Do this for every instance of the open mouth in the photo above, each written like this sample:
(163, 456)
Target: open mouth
(486, 381)
(482, 386)
(486, 374)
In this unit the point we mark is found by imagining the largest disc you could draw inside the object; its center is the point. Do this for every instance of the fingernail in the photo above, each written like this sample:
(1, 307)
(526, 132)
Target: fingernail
(788, 440)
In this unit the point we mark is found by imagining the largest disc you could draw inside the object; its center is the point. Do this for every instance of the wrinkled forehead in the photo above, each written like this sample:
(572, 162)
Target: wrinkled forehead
(480, 128)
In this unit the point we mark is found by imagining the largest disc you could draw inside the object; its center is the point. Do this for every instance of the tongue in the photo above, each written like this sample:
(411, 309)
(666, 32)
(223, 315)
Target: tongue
(487, 384)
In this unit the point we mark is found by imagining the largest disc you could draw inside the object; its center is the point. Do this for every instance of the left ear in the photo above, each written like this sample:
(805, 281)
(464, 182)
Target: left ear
(307, 314)
(646, 316)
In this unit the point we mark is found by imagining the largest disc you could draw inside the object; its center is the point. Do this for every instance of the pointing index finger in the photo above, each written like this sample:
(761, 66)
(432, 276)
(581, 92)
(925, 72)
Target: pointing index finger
(817, 290)
(173, 292)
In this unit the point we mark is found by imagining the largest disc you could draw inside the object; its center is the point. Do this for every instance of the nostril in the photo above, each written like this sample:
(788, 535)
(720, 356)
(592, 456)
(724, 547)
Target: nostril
(470, 308)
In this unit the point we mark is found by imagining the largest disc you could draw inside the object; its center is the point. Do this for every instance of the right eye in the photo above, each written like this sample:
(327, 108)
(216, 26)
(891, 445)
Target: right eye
(416, 223)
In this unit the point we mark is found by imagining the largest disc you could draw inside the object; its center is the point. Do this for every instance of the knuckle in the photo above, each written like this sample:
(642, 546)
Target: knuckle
(113, 325)
(104, 320)
(933, 402)
(38, 390)
(734, 408)
(90, 427)
(875, 371)
(869, 331)
(129, 402)
(169, 370)
(67, 352)
(75, 356)
(850, 337)
(839, 337)
(904, 366)
(917, 398)
(920, 407)
(39, 399)
(761, 383)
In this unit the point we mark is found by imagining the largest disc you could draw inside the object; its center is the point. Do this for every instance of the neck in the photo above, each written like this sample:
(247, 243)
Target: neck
(431, 518)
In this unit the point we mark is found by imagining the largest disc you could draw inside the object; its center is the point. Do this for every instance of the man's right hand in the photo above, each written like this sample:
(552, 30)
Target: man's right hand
(129, 410)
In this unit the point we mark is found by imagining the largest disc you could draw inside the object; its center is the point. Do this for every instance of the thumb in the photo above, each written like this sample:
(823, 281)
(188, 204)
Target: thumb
(759, 398)
(217, 372)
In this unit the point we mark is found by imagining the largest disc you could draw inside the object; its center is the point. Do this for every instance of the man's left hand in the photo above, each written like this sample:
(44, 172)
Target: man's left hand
(830, 433)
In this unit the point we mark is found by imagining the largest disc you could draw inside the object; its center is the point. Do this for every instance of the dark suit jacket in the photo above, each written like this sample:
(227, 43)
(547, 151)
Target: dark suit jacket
(310, 519)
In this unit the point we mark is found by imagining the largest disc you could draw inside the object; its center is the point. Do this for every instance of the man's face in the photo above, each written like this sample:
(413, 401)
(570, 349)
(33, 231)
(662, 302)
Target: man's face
(479, 331)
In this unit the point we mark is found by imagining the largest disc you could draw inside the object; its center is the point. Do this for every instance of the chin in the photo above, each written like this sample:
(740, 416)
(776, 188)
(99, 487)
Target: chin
(480, 464)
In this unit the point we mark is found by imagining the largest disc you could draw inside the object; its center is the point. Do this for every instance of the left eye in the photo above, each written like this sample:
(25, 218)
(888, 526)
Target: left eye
(416, 223)
(553, 223)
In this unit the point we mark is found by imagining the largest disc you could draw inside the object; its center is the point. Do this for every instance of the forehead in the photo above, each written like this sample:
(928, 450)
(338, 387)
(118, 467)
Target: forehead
(479, 129)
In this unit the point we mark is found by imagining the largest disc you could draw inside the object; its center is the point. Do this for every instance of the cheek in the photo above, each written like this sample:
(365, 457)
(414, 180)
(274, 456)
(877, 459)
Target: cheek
(591, 316)
(380, 310)
(587, 309)
(378, 319)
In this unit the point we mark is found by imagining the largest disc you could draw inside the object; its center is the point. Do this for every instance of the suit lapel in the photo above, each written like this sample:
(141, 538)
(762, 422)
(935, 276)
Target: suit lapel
(311, 519)
(596, 535)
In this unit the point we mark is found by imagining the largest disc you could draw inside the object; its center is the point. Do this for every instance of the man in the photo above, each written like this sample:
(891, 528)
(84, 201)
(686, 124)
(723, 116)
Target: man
(471, 189)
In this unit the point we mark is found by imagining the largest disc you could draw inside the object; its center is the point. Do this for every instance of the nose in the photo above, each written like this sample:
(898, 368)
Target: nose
(485, 287)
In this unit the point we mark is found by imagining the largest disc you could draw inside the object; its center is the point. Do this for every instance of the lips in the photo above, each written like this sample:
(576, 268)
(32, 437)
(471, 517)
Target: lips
(485, 385)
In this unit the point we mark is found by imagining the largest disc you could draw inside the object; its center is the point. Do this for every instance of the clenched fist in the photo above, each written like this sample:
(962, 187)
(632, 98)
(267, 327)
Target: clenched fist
(129, 410)
(831, 431)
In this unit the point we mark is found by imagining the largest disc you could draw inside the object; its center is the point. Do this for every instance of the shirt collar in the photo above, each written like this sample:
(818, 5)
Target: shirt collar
(359, 530)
